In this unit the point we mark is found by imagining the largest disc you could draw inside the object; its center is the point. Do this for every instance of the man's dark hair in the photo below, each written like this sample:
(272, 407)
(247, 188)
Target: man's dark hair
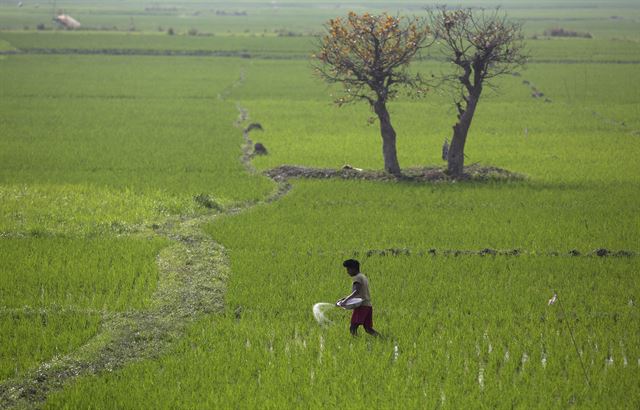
(351, 263)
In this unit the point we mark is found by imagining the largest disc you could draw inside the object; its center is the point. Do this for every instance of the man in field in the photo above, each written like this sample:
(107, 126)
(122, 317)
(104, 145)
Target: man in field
(363, 314)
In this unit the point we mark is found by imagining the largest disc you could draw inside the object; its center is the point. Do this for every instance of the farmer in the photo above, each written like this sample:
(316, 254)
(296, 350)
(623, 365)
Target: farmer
(363, 314)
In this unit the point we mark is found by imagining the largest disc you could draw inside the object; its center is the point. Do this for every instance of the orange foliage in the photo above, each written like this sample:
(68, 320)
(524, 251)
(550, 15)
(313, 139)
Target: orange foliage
(369, 53)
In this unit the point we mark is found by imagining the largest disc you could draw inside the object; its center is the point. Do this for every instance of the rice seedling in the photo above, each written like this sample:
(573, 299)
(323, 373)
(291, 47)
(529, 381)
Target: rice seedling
(55, 290)
(461, 273)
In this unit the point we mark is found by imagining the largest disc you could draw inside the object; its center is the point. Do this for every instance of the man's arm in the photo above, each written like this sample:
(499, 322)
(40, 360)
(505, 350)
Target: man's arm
(356, 289)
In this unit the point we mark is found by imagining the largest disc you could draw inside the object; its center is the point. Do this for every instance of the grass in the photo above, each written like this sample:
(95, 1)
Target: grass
(295, 47)
(546, 50)
(418, 217)
(304, 16)
(95, 150)
(54, 291)
(451, 319)
(79, 209)
(460, 330)
(583, 123)
(137, 140)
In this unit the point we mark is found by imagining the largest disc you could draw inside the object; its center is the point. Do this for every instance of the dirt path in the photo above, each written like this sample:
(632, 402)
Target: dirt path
(283, 187)
(193, 271)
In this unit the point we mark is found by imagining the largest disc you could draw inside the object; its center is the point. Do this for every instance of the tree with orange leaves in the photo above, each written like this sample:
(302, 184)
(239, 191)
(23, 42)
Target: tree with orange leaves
(369, 55)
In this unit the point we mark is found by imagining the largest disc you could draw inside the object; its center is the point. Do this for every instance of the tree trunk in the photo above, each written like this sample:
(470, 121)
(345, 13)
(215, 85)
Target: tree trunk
(456, 150)
(388, 134)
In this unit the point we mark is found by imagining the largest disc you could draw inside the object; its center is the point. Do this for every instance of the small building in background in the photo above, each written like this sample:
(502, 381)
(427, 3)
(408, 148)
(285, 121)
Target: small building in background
(67, 21)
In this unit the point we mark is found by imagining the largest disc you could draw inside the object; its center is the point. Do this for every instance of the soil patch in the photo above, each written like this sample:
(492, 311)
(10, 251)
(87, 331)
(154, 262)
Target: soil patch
(600, 252)
(474, 172)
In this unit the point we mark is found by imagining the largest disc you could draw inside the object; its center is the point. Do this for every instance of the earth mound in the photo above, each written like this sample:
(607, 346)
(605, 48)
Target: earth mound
(474, 172)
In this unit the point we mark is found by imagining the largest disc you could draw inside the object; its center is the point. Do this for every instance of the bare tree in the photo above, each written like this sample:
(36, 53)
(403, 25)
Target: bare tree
(369, 55)
(482, 45)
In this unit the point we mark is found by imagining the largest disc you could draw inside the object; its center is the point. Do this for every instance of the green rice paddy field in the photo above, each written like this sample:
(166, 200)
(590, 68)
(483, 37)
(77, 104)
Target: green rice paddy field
(111, 139)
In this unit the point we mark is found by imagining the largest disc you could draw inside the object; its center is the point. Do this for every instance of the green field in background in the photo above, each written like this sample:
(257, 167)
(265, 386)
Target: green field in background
(126, 141)
(602, 19)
